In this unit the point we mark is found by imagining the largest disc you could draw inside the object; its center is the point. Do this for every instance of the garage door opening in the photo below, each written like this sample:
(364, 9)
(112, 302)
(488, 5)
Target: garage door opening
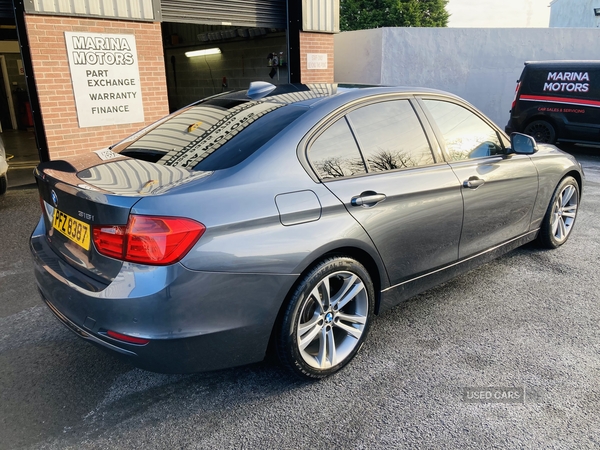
(232, 58)
(16, 119)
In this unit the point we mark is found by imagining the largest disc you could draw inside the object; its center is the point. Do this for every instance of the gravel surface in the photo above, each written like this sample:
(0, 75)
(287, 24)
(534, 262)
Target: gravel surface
(527, 320)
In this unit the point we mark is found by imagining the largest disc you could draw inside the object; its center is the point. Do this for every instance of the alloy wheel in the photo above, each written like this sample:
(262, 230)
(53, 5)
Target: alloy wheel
(564, 211)
(332, 320)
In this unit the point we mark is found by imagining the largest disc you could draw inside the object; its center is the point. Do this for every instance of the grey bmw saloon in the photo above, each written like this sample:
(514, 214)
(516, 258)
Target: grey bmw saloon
(285, 218)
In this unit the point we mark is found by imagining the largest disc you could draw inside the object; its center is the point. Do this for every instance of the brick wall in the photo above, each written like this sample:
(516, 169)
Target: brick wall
(53, 81)
(316, 43)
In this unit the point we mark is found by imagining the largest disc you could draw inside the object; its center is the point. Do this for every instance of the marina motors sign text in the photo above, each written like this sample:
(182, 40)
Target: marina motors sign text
(106, 78)
(567, 82)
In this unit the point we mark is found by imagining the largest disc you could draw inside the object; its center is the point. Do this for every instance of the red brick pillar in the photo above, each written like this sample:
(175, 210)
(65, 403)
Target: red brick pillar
(316, 57)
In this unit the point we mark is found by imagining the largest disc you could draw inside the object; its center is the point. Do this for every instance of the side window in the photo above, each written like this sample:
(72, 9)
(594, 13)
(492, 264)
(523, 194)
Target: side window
(390, 136)
(465, 134)
(335, 154)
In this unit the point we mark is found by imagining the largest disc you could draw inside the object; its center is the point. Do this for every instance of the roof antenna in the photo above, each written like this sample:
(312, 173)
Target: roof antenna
(259, 89)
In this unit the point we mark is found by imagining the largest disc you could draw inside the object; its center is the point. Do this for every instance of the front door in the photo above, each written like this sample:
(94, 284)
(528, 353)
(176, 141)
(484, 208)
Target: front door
(499, 190)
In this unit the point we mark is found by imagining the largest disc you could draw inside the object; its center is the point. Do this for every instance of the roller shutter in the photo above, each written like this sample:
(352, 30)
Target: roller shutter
(248, 13)
(6, 11)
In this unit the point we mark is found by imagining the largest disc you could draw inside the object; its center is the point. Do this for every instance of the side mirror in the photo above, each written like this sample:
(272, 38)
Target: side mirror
(521, 144)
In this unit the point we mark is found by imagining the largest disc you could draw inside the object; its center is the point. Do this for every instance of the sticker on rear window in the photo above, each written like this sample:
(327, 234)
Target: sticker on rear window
(193, 126)
(106, 154)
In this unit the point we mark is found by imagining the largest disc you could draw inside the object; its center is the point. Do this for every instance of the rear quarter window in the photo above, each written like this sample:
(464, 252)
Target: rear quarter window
(335, 154)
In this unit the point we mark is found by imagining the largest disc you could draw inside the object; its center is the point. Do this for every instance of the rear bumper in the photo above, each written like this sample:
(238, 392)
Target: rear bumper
(195, 321)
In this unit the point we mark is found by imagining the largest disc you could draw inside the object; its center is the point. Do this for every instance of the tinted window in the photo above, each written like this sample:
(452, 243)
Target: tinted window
(335, 154)
(213, 135)
(249, 140)
(390, 136)
(465, 134)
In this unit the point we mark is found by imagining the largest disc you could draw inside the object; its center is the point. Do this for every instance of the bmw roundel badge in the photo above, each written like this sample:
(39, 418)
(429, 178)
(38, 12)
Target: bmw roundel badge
(54, 198)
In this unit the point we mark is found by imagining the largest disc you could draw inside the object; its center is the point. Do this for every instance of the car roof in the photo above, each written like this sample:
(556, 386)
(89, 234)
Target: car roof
(309, 95)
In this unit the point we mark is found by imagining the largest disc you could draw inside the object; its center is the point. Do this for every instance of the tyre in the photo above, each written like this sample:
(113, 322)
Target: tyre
(327, 318)
(3, 184)
(542, 131)
(561, 214)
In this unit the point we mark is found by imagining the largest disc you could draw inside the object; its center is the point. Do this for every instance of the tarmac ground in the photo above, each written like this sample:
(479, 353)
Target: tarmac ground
(22, 155)
(526, 323)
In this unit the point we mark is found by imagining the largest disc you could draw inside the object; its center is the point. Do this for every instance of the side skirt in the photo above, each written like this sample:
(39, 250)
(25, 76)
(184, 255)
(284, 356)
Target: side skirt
(403, 291)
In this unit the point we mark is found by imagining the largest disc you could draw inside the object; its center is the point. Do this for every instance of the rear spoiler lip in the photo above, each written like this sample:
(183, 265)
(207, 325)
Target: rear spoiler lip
(91, 177)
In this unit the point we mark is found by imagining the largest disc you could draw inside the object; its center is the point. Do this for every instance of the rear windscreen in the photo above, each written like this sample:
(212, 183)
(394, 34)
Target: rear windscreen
(215, 134)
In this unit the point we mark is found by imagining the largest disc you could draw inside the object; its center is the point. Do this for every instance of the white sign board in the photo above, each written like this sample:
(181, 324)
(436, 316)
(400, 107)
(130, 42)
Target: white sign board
(105, 78)
(20, 67)
(316, 60)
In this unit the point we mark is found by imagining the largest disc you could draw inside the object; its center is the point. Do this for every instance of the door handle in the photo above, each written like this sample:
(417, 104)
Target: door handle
(367, 199)
(473, 183)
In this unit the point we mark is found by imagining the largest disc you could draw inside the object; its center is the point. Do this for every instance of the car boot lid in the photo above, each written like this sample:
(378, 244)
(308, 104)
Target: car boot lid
(111, 173)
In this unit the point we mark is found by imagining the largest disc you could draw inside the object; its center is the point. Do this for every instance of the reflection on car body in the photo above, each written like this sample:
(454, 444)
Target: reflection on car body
(290, 216)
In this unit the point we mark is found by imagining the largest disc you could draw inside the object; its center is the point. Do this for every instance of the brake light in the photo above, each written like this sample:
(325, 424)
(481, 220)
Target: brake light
(110, 240)
(514, 103)
(149, 240)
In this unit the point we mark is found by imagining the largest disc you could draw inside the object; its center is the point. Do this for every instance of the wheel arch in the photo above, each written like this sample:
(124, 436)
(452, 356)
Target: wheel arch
(376, 269)
(367, 261)
(376, 272)
(575, 174)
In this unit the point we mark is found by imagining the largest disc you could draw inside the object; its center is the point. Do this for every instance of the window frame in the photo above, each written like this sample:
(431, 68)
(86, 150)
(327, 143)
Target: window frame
(361, 146)
(502, 138)
(322, 131)
(306, 143)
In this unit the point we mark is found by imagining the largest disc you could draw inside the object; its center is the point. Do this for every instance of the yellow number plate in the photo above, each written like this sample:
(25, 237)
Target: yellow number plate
(75, 230)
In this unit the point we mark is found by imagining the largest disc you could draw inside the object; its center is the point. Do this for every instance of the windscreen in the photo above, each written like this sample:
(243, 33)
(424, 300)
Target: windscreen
(213, 135)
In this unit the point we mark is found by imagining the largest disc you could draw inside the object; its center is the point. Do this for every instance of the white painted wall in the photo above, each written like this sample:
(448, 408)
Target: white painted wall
(480, 65)
(498, 13)
(574, 13)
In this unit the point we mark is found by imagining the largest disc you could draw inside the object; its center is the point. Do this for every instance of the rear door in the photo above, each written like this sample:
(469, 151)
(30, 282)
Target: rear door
(499, 190)
(405, 198)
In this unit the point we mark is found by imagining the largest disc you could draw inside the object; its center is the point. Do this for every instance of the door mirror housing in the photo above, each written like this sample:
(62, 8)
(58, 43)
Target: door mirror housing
(522, 144)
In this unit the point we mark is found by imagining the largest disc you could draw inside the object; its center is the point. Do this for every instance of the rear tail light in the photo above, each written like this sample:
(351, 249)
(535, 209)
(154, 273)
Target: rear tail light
(148, 239)
(514, 103)
(110, 240)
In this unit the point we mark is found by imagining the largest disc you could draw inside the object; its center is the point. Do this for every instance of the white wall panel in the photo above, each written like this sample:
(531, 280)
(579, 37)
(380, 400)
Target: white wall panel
(574, 13)
(122, 9)
(108, 8)
(321, 16)
(484, 74)
(44, 5)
